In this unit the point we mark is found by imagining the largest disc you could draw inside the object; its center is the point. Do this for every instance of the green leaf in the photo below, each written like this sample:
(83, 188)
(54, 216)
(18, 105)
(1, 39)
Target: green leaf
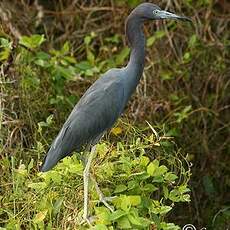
(54, 176)
(39, 217)
(192, 41)
(178, 194)
(116, 215)
(158, 179)
(157, 208)
(183, 114)
(160, 33)
(166, 192)
(70, 59)
(67, 73)
(186, 198)
(84, 65)
(49, 119)
(183, 188)
(90, 57)
(99, 227)
(187, 57)
(166, 75)
(132, 184)
(4, 54)
(87, 40)
(150, 41)
(123, 223)
(33, 41)
(168, 226)
(120, 188)
(134, 219)
(149, 188)
(160, 170)
(30, 165)
(5, 47)
(173, 132)
(144, 161)
(120, 58)
(125, 203)
(164, 209)
(114, 39)
(170, 177)
(151, 168)
(135, 200)
(65, 49)
(103, 215)
(5, 43)
(42, 55)
(37, 186)
(42, 63)
(57, 206)
(42, 59)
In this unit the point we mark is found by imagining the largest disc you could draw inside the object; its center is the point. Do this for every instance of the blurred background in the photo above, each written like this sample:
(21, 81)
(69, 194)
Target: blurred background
(185, 86)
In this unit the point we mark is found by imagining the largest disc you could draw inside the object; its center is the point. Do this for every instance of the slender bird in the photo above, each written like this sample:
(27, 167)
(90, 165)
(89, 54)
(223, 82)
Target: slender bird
(105, 100)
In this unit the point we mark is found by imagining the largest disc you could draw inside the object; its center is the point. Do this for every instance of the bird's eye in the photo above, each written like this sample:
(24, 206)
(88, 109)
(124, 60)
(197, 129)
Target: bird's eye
(155, 11)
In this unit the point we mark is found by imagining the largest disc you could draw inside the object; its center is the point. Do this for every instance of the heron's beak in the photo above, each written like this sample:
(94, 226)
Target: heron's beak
(167, 15)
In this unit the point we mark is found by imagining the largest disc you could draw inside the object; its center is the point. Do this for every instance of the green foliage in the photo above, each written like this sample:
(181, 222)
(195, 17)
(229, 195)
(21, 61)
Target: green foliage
(60, 66)
(32, 42)
(143, 190)
(183, 114)
(5, 49)
(158, 35)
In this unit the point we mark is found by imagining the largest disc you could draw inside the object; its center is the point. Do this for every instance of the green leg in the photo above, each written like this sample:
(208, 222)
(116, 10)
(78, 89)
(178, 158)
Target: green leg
(86, 176)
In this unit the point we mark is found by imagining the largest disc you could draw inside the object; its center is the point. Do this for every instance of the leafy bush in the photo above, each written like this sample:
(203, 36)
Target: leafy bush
(144, 184)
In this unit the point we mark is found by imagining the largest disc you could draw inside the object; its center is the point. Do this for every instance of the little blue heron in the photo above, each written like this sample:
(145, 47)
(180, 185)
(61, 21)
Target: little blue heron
(105, 100)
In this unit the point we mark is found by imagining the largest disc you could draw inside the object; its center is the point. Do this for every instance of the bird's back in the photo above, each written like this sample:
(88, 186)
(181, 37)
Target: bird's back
(95, 112)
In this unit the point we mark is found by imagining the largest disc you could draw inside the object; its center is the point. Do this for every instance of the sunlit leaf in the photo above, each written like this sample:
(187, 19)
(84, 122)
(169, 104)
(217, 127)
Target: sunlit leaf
(123, 223)
(135, 200)
(160, 170)
(100, 227)
(120, 58)
(170, 176)
(120, 188)
(144, 160)
(39, 217)
(152, 167)
(149, 188)
(116, 130)
(117, 214)
(134, 219)
(32, 41)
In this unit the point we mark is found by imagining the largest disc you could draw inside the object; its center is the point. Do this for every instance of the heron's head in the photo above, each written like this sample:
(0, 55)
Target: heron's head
(150, 11)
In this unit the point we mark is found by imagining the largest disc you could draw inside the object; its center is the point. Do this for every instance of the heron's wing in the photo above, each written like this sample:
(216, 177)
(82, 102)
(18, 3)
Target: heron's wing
(96, 112)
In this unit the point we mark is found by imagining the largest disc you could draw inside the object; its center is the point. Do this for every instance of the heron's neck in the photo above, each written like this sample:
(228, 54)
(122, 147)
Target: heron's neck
(136, 40)
(135, 65)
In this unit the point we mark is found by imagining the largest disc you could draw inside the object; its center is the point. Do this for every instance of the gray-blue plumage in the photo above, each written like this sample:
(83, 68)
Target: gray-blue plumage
(105, 100)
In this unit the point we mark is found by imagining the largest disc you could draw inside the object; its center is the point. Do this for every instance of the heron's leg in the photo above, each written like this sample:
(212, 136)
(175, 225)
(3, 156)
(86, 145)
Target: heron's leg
(102, 198)
(86, 183)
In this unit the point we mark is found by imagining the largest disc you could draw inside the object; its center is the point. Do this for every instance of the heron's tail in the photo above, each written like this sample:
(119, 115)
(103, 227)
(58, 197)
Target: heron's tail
(50, 160)
(60, 148)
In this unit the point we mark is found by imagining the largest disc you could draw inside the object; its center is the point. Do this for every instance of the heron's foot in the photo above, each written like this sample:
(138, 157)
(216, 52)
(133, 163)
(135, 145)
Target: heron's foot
(87, 220)
(105, 200)
(102, 198)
